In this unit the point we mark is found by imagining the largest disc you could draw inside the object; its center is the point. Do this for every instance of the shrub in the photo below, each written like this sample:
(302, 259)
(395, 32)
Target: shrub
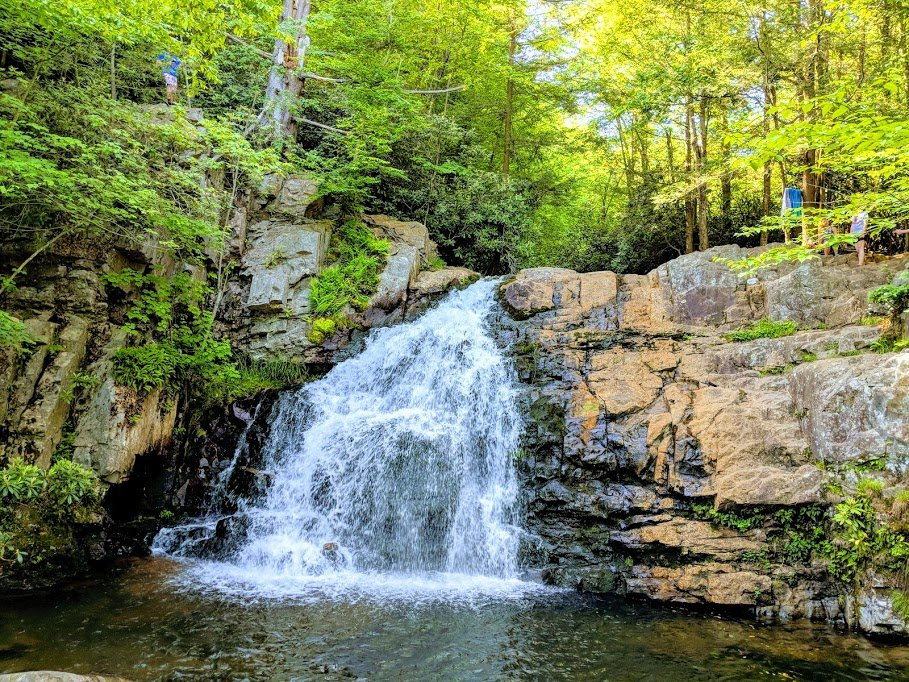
(182, 349)
(322, 328)
(894, 298)
(21, 481)
(435, 262)
(69, 483)
(39, 511)
(888, 344)
(870, 487)
(255, 376)
(79, 382)
(861, 540)
(740, 522)
(763, 329)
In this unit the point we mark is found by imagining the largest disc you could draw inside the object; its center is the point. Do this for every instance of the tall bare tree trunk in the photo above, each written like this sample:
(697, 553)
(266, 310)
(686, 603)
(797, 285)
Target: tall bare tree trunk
(626, 145)
(509, 100)
(284, 80)
(726, 178)
(701, 156)
(691, 205)
(813, 76)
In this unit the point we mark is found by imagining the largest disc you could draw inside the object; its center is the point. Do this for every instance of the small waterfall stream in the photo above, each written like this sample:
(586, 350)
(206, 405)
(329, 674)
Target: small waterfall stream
(393, 473)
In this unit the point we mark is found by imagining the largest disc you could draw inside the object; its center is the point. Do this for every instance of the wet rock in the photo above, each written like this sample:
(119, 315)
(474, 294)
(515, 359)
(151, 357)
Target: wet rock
(700, 583)
(55, 676)
(394, 282)
(689, 536)
(430, 285)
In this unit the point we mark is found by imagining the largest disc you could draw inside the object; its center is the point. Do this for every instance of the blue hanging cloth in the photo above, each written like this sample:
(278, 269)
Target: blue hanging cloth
(792, 201)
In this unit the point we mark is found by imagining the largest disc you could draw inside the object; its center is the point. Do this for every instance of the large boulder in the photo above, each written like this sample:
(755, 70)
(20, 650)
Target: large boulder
(281, 259)
(574, 296)
(854, 408)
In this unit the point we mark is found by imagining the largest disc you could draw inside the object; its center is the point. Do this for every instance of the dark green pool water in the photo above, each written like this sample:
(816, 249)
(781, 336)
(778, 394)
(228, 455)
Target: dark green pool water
(138, 625)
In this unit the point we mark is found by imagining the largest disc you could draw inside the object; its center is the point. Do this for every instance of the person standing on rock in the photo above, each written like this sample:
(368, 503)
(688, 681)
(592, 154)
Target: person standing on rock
(859, 229)
(169, 64)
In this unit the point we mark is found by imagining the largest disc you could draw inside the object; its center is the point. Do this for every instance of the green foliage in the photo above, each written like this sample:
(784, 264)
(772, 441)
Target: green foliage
(84, 158)
(323, 328)
(894, 298)
(146, 367)
(740, 522)
(763, 329)
(21, 481)
(436, 262)
(776, 370)
(901, 604)
(69, 483)
(275, 258)
(79, 382)
(359, 257)
(804, 534)
(182, 349)
(869, 487)
(39, 510)
(65, 483)
(878, 463)
(757, 557)
(888, 344)
(13, 333)
(861, 540)
(255, 376)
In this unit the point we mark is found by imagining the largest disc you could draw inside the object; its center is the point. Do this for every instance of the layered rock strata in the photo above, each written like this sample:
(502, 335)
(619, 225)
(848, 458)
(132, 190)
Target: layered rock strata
(647, 426)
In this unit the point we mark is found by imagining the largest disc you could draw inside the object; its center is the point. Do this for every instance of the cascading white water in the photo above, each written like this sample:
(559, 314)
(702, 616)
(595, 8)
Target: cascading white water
(393, 469)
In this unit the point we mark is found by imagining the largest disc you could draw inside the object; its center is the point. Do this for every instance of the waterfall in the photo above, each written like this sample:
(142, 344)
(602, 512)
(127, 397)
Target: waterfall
(395, 468)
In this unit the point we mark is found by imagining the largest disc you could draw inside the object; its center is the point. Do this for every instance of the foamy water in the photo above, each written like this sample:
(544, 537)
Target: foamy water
(392, 476)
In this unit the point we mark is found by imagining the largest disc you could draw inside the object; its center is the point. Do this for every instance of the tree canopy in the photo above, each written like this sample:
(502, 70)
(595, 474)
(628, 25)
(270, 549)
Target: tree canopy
(580, 133)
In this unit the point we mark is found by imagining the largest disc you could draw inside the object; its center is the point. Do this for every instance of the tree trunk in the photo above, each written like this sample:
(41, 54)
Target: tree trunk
(284, 81)
(691, 206)
(509, 100)
(628, 160)
(701, 149)
(726, 179)
(113, 71)
(813, 79)
(765, 125)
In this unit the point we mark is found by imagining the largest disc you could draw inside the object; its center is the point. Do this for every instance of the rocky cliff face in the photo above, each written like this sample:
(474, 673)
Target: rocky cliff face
(60, 396)
(663, 460)
(281, 243)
